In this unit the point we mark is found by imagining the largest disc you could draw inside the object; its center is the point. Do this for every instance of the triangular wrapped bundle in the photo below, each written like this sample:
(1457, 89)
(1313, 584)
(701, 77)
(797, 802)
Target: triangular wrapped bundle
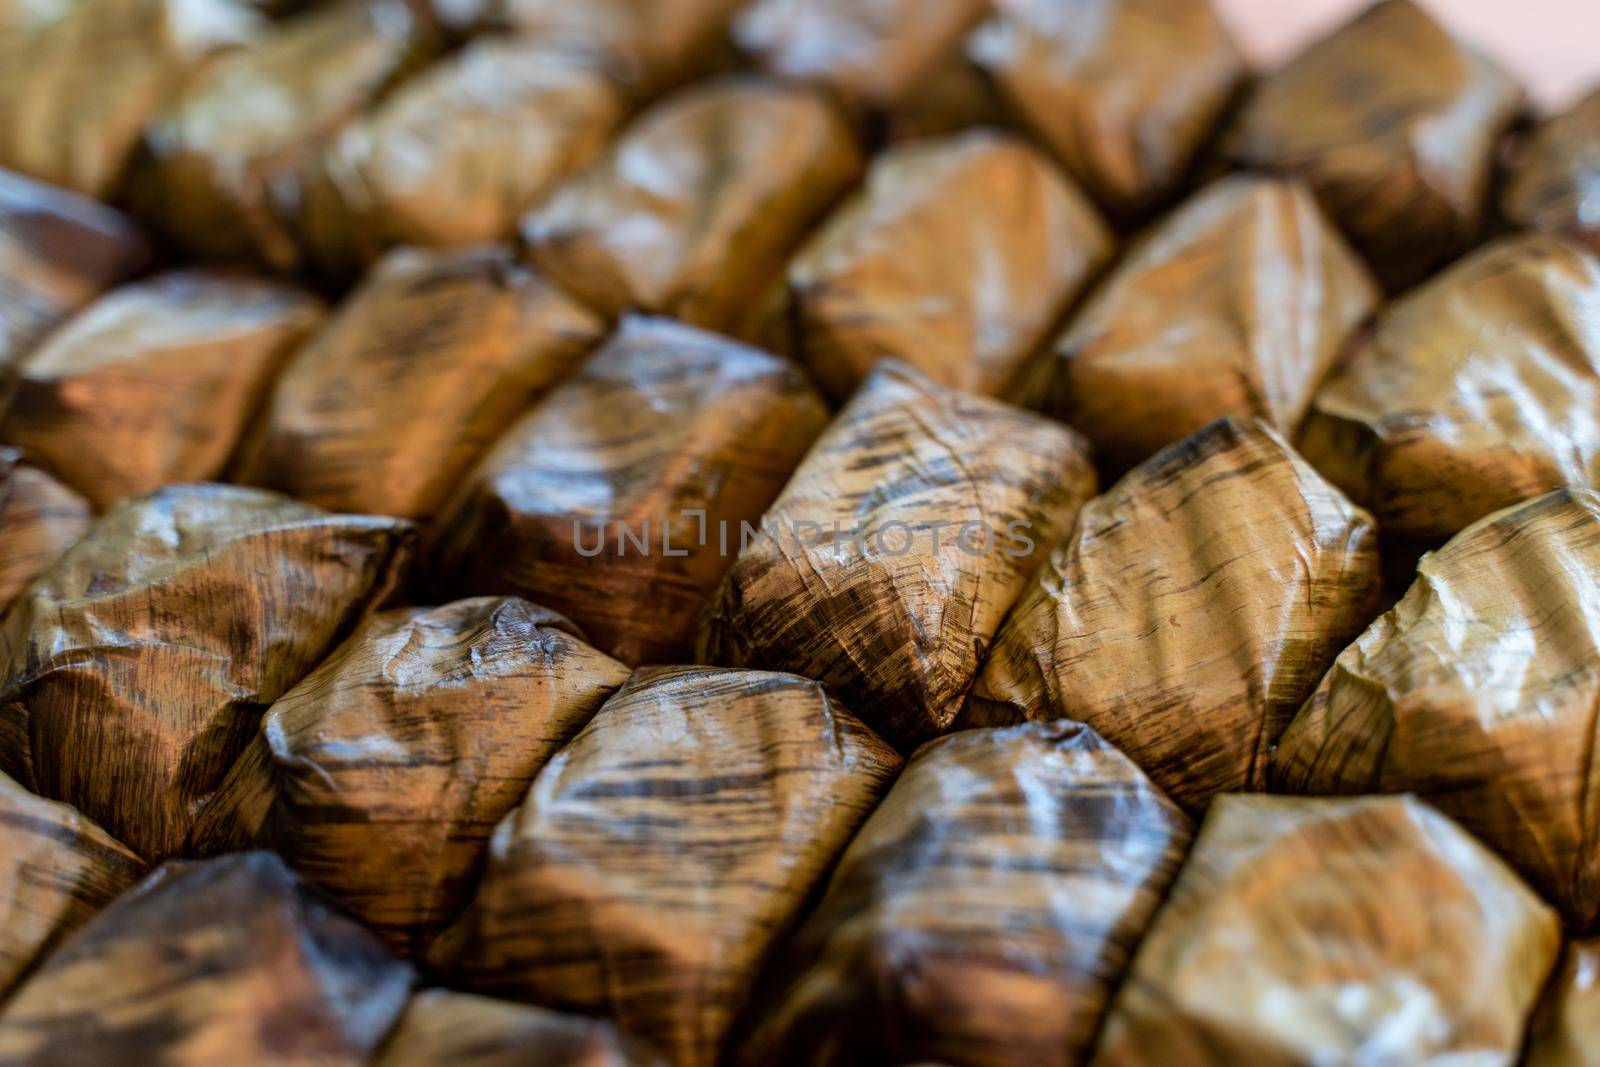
(56, 870)
(1477, 692)
(233, 961)
(1237, 304)
(381, 776)
(224, 168)
(885, 567)
(1394, 124)
(958, 257)
(137, 667)
(1555, 176)
(416, 374)
(1477, 391)
(445, 1029)
(874, 55)
(458, 153)
(695, 208)
(58, 251)
(1124, 92)
(1191, 610)
(1566, 1029)
(75, 95)
(663, 852)
(156, 382)
(39, 520)
(622, 498)
(982, 915)
(1307, 932)
(649, 45)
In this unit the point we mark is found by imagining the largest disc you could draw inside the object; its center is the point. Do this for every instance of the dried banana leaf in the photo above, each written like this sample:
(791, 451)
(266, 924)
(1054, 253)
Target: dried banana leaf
(1475, 392)
(621, 500)
(234, 961)
(156, 382)
(648, 44)
(983, 913)
(444, 1029)
(1394, 124)
(887, 564)
(1306, 932)
(1125, 92)
(137, 668)
(224, 169)
(39, 520)
(1238, 304)
(1566, 1029)
(694, 210)
(58, 251)
(1477, 692)
(663, 851)
(381, 776)
(1192, 610)
(427, 364)
(1555, 180)
(459, 152)
(958, 257)
(75, 95)
(873, 55)
(56, 870)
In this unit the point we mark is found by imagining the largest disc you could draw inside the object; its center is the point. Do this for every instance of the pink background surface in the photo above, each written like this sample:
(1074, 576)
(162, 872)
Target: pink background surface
(1553, 45)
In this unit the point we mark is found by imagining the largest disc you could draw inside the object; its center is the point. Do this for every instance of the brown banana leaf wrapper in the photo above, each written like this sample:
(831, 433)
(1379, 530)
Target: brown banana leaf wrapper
(694, 210)
(56, 870)
(885, 567)
(1237, 304)
(958, 257)
(458, 153)
(1305, 932)
(1555, 177)
(75, 95)
(1394, 124)
(381, 776)
(137, 667)
(39, 520)
(622, 499)
(1125, 92)
(1192, 610)
(58, 251)
(416, 374)
(233, 961)
(445, 1029)
(156, 382)
(661, 853)
(224, 170)
(1566, 1029)
(983, 913)
(648, 45)
(1477, 692)
(875, 56)
(1475, 392)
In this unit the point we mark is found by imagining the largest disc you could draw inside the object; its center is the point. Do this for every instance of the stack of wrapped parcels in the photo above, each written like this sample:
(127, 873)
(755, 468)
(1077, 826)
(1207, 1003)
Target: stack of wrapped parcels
(792, 533)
